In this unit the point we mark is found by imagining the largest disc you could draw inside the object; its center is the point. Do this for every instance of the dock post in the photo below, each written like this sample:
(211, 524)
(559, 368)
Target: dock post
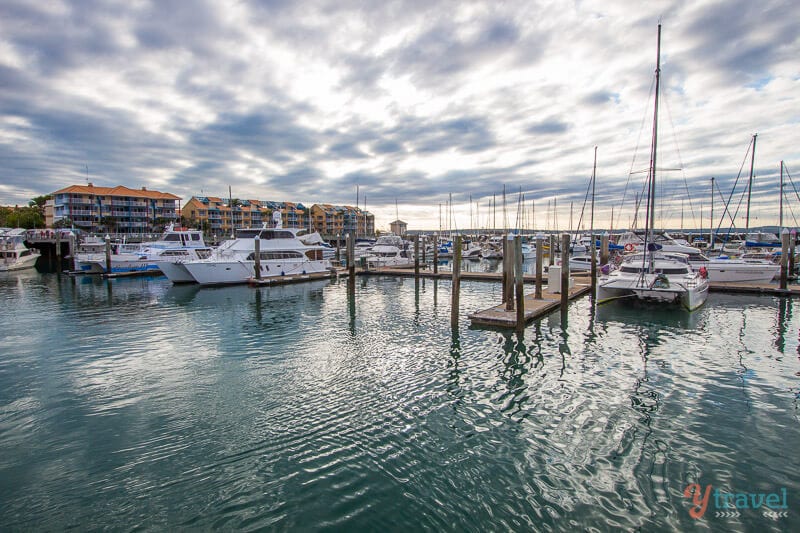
(564, 270)
(552, 249)
(72, 249)
(58, 250)
(416, 256)
(507, 276)
(604, 249)
(350, 252)
(593, 254)
(338, 249)
(539, 256)
(785, 236)
(108, 253)
(518, 283)
(257, 256)
(792, 244)
(424, 249)
(454, 296)
(435, 253)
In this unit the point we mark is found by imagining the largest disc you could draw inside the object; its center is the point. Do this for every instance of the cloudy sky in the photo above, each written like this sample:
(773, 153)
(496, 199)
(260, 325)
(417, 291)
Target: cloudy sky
(412, 101)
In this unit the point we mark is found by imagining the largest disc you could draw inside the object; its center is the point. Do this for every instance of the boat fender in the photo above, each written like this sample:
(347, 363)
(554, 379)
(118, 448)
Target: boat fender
(629, 247)
(703, 272)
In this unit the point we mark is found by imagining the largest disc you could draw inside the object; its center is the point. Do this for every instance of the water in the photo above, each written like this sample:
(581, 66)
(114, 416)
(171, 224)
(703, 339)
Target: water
(137, 405)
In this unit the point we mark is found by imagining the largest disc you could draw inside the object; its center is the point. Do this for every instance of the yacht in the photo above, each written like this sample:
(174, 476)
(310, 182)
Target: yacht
(174, 245)
(282, 253)
(722, 269)
(389, 251)
(14, 255)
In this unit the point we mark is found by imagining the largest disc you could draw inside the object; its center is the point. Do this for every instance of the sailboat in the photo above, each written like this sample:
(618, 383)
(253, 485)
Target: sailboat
(654, 275)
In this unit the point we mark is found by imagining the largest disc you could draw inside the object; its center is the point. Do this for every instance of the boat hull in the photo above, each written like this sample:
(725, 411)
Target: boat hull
(235, 272)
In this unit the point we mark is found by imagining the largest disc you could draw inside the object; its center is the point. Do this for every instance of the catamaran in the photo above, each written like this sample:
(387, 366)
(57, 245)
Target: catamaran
(655, 275)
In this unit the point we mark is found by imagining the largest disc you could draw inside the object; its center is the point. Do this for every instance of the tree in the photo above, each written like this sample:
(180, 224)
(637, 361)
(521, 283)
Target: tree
(62, 223)
(40, 201)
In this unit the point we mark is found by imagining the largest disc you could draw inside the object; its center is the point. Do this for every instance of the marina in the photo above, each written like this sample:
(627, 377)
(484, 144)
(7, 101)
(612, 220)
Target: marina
(306, 406)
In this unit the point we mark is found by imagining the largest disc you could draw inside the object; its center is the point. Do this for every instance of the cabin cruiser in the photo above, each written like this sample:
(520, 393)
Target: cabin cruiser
(14, 255)
(281, 253)
(723, 269)
(176, 244)
(632, 241)
(389, 251)
(656, 276)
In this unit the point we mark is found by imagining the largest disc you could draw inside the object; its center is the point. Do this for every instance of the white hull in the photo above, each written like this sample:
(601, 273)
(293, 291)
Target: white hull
(96, 264)
(21, 263)
(735, 271)
(210, 272)
(175, 272)
(690, 295)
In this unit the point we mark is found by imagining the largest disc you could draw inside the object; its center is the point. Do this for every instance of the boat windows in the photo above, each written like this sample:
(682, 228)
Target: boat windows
(172, 237)
(314, 255)
(271, 256)
(195, 236)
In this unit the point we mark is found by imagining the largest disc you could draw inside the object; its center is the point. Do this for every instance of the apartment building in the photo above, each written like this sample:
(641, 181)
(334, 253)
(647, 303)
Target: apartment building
(114, 209)
(334, 220)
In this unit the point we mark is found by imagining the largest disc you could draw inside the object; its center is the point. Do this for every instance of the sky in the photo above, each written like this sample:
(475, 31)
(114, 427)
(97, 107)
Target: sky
(422, 110)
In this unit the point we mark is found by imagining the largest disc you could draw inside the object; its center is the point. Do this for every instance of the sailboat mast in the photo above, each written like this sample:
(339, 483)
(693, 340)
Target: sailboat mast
(750, 186)
(780, 210)
(652, 198)
(711, 225)
(591, 216)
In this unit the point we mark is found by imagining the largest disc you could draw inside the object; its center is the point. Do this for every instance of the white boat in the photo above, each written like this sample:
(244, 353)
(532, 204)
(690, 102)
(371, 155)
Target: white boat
(14, 255)
(655, 275)
(583, 262)
(174, 245)
(725, 270)
(282, 253)
(389, 251)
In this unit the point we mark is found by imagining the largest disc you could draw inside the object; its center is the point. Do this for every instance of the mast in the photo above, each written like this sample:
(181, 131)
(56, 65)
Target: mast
(591, 216)
(652, 197)
(780, 210)
(750, 186)
(711, 225)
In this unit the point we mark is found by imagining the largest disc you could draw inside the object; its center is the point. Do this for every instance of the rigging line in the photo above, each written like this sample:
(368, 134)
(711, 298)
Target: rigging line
(680, 161)
(733, 189)
(635, 152)
(585, 199)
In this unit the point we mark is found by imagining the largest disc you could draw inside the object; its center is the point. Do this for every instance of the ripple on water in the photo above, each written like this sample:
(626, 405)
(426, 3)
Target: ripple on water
(296, 408)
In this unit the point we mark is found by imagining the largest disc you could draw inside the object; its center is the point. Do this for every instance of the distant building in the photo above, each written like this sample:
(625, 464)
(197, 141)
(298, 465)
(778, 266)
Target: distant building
(333, 220)
(398, 227)
(114, 209)
(215, 215)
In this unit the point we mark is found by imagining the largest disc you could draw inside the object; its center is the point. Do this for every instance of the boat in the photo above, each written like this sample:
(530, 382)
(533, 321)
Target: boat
(281, 253)
(389, 251)
(582, 262)
(14, 255)
(175, 245)
(723, 269)
(654, 275)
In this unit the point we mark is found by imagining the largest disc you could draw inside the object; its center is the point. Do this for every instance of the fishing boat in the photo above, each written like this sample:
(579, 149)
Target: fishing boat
(654, 275)
(281, 253)
(14, 255)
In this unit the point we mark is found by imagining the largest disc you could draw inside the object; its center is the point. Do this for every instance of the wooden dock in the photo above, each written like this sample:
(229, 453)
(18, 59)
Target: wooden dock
(755, 288)
(499, 316)
(299, 278)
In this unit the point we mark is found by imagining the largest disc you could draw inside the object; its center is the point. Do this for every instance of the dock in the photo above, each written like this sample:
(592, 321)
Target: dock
(500, 317)
(299, 278)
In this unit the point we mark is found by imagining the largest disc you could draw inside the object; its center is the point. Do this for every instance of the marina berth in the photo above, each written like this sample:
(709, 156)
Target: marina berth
(14, 255)
(389, 251)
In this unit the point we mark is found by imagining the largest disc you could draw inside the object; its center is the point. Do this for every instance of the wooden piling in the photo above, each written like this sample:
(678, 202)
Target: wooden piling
(455, 296)
(792, 244)
(351, 256)
(785, 236)
(424, 249)
(108, 253)
(604, 249)
(518, 273)
(58, 248)
(509, 262)
(257, 256)
(338, 250)
(72, 250)
(552, 253)
(539, 257)
(416, 256)
(435, 253)
(564, 270)
(504, 271)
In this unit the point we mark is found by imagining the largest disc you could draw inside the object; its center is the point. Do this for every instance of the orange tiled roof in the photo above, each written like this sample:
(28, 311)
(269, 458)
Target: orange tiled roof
(119, 190)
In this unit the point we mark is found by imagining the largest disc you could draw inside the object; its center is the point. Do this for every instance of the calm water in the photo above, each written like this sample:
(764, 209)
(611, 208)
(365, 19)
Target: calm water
(137, 405)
